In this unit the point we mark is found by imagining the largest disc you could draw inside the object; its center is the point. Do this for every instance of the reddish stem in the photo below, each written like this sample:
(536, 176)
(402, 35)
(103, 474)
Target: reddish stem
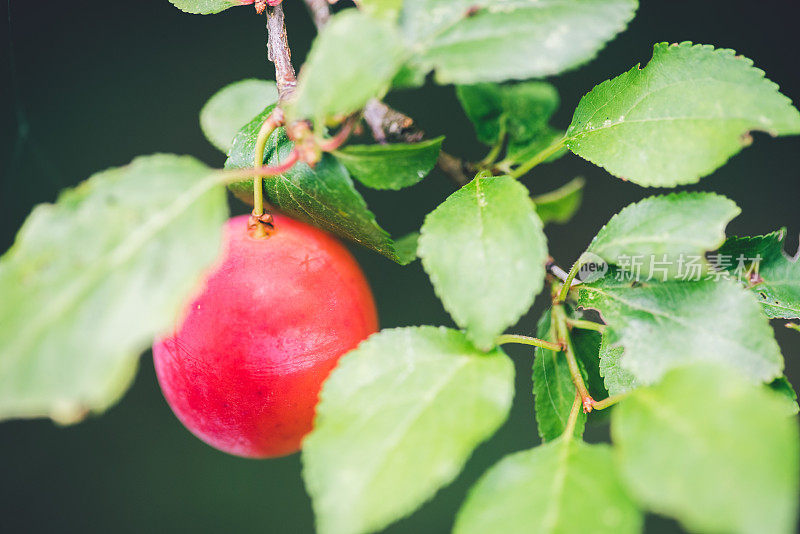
(341, 136)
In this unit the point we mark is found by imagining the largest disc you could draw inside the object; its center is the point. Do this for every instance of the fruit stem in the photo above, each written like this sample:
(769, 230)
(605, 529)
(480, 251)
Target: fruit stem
(525, 340)
(269, 125)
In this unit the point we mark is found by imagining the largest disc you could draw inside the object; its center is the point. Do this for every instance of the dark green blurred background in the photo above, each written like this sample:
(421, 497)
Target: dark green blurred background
(100, 82)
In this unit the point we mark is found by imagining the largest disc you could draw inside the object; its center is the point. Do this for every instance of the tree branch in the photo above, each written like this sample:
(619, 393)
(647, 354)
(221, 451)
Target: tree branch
(320, 11)
(453, 167)
(388, 124)
(279, 52)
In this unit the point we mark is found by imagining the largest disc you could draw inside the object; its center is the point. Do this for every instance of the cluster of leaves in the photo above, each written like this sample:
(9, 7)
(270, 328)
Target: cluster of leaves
(702, 431)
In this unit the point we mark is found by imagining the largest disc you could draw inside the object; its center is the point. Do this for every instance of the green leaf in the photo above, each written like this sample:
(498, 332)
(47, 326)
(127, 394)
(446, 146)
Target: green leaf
(323, 196)
(389, 9)
(470, 41)
(711, 450)
(520, 111)
(390, 166)
(664, 233)
(234, 106)
(207, 7)
(679, 118)
(485, 252)
(353, 59)
(91, 279)
(397, 420)
(553, 389)
(666, 325)
(561, 487)
(777, 283)
(560, 205)
(616, 378)
(786, 392)
(408, 78)
(519, 153)
(406, 247)
(524, 109)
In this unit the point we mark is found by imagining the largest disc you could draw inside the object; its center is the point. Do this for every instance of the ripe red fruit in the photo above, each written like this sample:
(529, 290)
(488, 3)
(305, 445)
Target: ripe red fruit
(244, 368)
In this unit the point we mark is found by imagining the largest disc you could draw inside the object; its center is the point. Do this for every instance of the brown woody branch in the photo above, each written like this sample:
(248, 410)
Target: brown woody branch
(388, 124)
(279, 52)
(320, 11)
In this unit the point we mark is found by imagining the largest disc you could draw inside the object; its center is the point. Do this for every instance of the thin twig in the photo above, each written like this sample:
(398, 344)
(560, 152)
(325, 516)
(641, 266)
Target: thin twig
(569, 428)
(559, 316)
(320, 11)
(279, 52)
(389, 124)
(385, 123)
(453, 167)
(552, 268)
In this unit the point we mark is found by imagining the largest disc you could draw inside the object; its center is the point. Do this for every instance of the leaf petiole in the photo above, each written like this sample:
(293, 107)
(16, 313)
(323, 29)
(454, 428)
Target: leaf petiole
(538, 158)
(569, 428)
(236, 175)
(608, 401)
(526, 340)
(565, 287)
(585, 325)
(493, 154)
